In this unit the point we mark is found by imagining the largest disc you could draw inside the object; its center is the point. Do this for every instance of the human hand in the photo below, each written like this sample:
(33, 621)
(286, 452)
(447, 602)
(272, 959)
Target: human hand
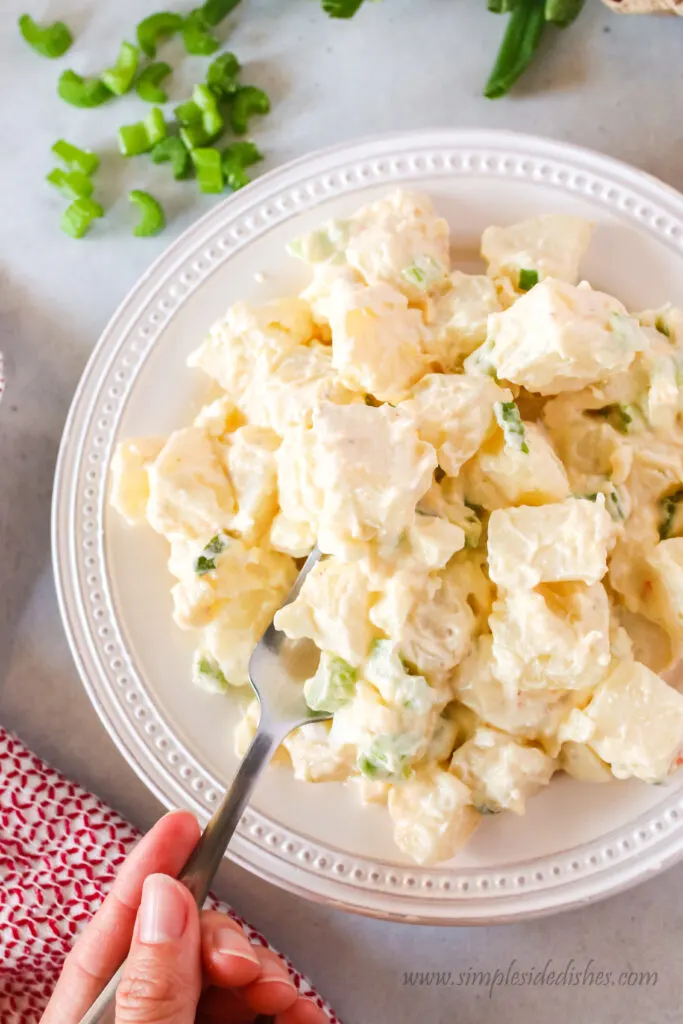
(182, 967)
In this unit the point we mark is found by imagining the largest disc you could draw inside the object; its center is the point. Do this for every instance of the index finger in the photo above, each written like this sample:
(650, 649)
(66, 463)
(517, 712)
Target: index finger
(103, 946)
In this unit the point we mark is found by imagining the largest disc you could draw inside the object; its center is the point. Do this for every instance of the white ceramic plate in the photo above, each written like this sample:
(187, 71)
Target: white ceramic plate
(577, 842)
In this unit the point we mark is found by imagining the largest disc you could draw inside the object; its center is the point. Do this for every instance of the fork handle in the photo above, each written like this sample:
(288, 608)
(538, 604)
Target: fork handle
(204, 861)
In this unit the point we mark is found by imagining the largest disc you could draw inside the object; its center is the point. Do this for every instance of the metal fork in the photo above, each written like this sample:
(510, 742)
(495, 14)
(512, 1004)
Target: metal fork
(273, 668)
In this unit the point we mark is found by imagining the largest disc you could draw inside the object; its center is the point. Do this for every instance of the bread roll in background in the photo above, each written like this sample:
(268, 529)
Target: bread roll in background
(646, 6)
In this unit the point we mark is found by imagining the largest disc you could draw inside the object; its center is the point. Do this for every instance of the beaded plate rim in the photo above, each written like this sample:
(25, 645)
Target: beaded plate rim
(445, 894)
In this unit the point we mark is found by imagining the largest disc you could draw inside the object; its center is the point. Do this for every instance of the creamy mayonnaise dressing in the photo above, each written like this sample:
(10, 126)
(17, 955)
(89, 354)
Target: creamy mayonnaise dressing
(492, 466)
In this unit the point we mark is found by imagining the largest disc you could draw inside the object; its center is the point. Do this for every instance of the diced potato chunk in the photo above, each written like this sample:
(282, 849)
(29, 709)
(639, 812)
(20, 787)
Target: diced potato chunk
(292, 538)
(432, 814)
(552, 244)
(429, 617)
(454, 413)
(341, 477)
(501, 772)
(558, 639)
(634, 722)
(250, 460)
(559, 337)
(189, 489)
(219, 418)
(501, 474)
(459, 320)
(531, 715)
(550, 544)
(244, 579)
(129, 479)
(295, 390)
(582, 763)
(332, 609)
(314, 758)
(400, 241)
(666, 561)
(252, 341)
(376, 340)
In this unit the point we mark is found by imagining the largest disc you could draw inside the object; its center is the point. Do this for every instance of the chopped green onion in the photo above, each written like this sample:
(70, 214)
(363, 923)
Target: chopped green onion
(222, 75)
(147, 85)
(152, 219)
(213, 11)
(507, 415)
(244, 153)
(75, 158)
(332, 686)
(341, 8)
(563, 12)
(155, 27)
(207, 162)
(207, 103)
(205, 99)
(174, 150)
(619, 417)
(195, 136)
(414, 275)
(247, 102)
(206, 561)
(387, 757)
(82, 92)
(423, 272)
(49, 40)
(662, 327)
(614, 506)
(501, 6)
(78, 218)
(142, 136)
(486, 809)
(155, 125)
(119, 79)
(520, 42)
(235, 159)
(187, 112)
(200, 118)
(196, 35)
(133, 139)
(72, 184)
(527, 279)
(207, 673)
(669, 507)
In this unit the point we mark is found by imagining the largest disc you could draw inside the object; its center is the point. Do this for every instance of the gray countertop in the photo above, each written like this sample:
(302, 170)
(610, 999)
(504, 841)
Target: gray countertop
(611, 83)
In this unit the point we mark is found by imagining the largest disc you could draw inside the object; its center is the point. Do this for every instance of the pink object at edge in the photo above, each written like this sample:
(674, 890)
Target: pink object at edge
(60, 848)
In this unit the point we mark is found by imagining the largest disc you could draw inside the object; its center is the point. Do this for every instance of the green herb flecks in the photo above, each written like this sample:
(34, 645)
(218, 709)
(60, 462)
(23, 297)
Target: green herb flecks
(520, 42)
(148, 85)
(82, 92)
(668, 510)
(527, 279)
(152, 219)
(206, 561)
(47, 40)
(619, 416)
(332, 686)
(156, 27)
(510, 422)
(119, 78)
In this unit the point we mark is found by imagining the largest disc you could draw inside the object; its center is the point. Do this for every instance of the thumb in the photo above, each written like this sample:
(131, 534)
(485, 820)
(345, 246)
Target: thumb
(161, 981)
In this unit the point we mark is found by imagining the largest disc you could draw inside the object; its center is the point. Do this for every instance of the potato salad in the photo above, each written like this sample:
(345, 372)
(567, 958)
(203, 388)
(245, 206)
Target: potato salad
(492, 466)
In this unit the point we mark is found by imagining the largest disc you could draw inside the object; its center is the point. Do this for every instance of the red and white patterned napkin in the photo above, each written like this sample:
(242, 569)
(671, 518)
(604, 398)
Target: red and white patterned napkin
(60, 848)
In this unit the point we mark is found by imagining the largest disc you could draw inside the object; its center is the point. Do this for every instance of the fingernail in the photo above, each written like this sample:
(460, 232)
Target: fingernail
(228, 941)
(276, 977)
(163, 911)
